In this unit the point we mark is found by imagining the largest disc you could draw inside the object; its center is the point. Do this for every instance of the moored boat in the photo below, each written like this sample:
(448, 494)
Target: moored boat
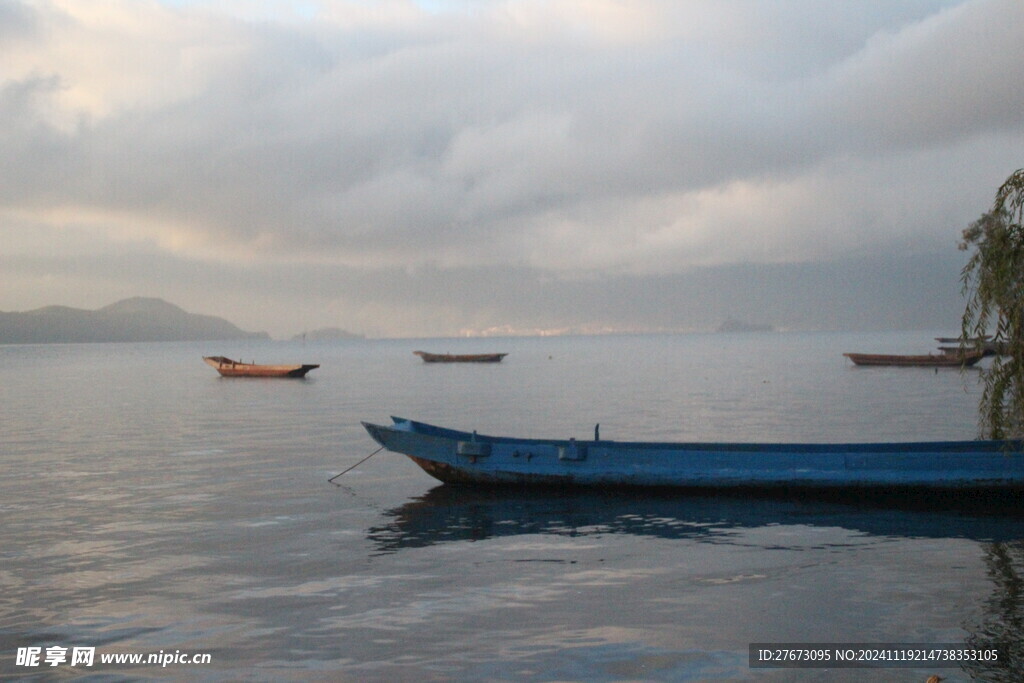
(460, 358)
(986, 344)
(459, 457)
(233, 368)
(931, 360)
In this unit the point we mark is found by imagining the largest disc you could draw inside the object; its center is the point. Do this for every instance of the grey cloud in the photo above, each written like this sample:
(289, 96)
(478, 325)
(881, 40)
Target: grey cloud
(17, 24)
(464, 141)
(947, 78)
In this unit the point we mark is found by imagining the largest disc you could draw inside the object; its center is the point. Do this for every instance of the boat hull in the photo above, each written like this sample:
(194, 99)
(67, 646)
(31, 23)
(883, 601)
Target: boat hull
(467, 458)
(460, 358)
(229, 368)
(949, 360)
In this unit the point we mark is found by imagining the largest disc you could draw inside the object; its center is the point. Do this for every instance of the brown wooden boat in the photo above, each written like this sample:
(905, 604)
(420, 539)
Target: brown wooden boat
(460, 358)
(931, 360)
(233, 368)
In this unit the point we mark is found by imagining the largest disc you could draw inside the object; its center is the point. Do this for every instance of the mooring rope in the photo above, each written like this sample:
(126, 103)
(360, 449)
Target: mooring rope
(331, 480)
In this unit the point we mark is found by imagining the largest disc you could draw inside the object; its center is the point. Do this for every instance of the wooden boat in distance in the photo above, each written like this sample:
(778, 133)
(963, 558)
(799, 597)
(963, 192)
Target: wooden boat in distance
(945, 360)
(233, 368)
(986, 344)
(460, 358)
(458, 457)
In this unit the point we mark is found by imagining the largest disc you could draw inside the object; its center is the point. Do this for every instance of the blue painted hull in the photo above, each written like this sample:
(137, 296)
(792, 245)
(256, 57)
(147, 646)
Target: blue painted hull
(462, 457)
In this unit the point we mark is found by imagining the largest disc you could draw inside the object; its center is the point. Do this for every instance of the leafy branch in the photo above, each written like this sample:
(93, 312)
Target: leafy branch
(993, 282)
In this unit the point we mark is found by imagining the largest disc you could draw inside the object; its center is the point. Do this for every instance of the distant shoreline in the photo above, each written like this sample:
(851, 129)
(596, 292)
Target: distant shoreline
(137, 319)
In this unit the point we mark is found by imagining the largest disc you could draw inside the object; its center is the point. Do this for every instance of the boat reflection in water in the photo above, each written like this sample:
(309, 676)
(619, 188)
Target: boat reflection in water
(451, 513)
(454, 513)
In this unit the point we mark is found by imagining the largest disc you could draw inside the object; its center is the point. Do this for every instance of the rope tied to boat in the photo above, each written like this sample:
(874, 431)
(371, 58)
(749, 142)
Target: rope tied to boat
(331, 480)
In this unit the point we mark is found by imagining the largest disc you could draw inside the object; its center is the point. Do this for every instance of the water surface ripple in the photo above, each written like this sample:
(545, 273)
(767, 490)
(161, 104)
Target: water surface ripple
(149, 505)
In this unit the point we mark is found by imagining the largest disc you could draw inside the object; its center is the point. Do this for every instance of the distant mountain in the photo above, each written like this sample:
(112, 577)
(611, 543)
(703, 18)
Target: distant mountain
(138, 319)
(327, 334)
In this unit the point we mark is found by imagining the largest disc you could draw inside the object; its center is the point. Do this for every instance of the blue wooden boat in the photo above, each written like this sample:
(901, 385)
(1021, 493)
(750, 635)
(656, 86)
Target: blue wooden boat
(469, 458)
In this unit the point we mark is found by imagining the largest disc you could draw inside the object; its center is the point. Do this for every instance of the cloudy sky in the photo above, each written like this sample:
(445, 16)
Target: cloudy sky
(404, 168)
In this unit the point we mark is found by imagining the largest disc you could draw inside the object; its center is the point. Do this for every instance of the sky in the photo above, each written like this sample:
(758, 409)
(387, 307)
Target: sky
(485, 167)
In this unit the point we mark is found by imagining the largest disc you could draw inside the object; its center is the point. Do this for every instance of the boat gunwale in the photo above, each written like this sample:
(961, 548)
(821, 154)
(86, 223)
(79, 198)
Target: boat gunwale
(948, 447)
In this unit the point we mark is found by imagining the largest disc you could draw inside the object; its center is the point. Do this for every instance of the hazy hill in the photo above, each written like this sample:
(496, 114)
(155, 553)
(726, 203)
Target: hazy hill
(132, 320)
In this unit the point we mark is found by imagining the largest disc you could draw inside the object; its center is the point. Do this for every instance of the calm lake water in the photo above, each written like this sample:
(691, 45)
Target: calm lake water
(150, 506)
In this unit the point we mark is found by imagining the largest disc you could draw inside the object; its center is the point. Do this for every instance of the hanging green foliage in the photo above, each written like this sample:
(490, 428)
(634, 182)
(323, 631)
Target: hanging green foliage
(993, 282)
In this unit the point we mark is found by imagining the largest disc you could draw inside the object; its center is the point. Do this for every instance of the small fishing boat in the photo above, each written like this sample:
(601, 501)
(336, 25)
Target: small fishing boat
(233, 368)
(931, 360)
(460, 358)
(469, 458)
(986, 344)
